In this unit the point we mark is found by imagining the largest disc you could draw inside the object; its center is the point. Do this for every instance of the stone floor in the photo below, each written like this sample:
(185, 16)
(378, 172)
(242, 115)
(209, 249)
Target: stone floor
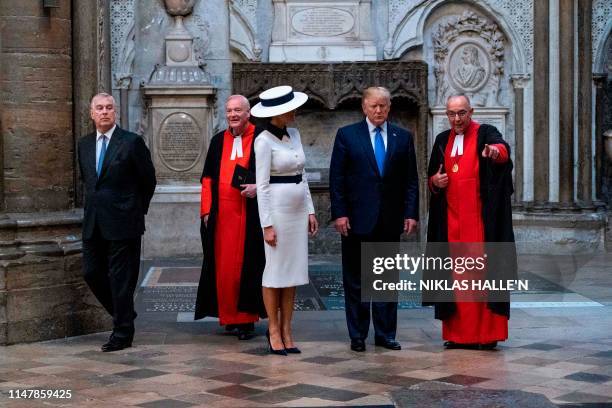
(559, 354)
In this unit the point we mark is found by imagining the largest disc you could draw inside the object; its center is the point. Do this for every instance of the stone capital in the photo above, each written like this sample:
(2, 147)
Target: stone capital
(520, 80)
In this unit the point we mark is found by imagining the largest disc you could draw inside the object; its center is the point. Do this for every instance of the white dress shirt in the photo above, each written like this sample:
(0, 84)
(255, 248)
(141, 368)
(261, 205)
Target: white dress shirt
(108, 135)
(383, 132)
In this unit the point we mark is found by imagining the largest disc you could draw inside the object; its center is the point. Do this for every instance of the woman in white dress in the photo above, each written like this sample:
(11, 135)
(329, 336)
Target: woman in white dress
(286, 211)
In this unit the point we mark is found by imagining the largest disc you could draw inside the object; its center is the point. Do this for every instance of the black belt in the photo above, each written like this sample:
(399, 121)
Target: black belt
(286, 179)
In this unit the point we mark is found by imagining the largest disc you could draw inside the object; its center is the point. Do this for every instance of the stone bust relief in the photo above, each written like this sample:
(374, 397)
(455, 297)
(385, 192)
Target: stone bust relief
(470, 73)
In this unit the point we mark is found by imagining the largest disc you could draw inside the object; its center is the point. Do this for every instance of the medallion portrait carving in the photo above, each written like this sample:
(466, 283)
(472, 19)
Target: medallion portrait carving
(470, 73)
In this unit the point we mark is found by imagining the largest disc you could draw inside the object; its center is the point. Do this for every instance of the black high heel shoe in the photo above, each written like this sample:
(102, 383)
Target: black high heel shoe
(292, 350)
(282, 352)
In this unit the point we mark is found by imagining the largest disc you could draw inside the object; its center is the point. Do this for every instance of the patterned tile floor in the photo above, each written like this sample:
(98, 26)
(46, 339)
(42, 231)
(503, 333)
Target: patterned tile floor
(559, 355)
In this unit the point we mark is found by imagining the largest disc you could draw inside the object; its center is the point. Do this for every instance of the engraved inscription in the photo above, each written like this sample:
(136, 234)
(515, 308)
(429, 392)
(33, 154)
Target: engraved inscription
(180, 142)
(323, 22)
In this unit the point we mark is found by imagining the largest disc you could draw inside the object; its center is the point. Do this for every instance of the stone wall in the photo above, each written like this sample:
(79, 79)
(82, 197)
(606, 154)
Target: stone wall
(37, 106)
(42, 292)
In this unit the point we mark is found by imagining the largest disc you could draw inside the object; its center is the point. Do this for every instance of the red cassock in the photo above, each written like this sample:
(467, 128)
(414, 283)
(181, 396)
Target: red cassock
(230, 230)
(473, 322)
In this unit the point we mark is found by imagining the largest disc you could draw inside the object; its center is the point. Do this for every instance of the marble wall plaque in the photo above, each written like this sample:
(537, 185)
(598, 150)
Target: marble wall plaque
(322, 30)
(322, 21)
(180, 142)
(491, 116)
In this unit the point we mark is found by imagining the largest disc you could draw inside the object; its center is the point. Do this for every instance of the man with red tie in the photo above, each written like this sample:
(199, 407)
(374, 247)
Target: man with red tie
(230, 284)
(470, 180)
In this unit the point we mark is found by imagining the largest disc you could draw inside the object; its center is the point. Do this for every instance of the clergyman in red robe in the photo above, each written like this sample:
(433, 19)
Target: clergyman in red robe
(230, 283)
(470, 180)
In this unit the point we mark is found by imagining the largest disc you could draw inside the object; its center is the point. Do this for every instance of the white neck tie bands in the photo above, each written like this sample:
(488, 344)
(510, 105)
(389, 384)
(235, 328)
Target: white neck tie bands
(457, 146)
(237, 148)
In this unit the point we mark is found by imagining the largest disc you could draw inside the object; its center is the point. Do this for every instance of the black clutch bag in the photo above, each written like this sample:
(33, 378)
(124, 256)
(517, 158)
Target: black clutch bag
(242, 175)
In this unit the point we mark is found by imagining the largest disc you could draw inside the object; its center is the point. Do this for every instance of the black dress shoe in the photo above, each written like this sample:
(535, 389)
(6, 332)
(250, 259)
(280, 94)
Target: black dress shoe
(281, 352)
(358, 345)
(293, 350)
(245, 331)
(245, 334)
(451, 345)
(488, 346)
(390, 344)
(116, 344)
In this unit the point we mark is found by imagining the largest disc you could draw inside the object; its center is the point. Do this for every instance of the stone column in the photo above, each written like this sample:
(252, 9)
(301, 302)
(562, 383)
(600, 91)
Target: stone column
(519, 82)
(585, 114)
(91, 69)
(554, 102)
(566, 108)
(540, 101)
(36, 106)
(42, 292)
(600, 80)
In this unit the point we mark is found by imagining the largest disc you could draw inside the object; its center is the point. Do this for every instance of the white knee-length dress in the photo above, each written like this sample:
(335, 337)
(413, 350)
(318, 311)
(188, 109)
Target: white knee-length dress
(285, 206)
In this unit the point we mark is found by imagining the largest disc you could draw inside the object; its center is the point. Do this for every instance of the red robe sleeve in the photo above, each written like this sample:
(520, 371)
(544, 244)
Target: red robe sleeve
(503, 153)
(206, 196)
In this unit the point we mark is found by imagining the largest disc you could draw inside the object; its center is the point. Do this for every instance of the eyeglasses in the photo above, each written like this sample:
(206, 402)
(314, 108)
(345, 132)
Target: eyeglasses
(461, 114)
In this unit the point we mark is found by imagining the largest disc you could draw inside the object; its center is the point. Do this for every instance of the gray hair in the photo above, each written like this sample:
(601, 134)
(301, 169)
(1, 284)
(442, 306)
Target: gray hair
(102, 95)
(242, 98)
(459, 95)
(381, 90)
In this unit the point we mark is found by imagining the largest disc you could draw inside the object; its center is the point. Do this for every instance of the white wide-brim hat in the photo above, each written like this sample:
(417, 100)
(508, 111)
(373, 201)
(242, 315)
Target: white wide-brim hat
(278, 100)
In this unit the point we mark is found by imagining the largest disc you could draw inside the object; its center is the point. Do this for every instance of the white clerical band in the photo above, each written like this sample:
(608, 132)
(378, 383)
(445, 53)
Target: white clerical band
(237, 148)
(457, 146)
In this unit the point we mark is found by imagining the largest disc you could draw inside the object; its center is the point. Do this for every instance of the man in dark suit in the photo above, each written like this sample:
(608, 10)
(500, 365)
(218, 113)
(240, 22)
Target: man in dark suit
(119, 181)
(374, 192)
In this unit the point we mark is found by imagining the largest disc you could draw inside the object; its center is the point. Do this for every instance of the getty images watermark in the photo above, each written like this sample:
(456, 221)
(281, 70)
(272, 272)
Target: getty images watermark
(440, 272)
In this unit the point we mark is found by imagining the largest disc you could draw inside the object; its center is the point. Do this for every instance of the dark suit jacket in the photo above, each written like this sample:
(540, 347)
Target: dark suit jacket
(356, 187)
(118, 200)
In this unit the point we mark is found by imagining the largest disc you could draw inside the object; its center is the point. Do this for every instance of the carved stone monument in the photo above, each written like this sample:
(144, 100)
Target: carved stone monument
(469, 59)
(180, 103)
(321, 31)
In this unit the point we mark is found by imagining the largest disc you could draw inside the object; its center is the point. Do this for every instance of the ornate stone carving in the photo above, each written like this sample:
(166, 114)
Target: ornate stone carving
(398, 10)
(331, 84)
(407, 19)
(468, 58)
(181, 67)
(179, 7)
(200, 41)
(602, 15)
(122, 40)
(243, 28)
(520, 80)
(519, 13)
(124, 66)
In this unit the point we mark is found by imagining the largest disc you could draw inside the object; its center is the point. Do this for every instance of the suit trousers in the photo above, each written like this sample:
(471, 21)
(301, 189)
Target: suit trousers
(111, 270)
(384, 314)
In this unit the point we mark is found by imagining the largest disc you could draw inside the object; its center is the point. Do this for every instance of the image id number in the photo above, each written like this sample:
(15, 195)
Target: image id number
(40, 394)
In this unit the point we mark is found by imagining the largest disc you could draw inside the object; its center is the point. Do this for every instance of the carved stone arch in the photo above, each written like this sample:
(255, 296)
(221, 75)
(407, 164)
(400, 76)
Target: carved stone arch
(348, 99)
(600, 58)
(416, 20)
(243, 38)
